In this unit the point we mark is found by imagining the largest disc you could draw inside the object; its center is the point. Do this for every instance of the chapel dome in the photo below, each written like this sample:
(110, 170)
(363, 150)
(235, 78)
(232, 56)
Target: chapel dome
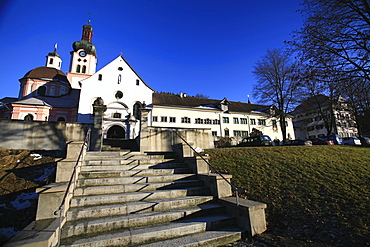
(47, 73)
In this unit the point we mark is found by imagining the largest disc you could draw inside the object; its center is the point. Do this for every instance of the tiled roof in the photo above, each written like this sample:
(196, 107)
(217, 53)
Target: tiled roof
(46, 73)
(176, 100)
(65, 101)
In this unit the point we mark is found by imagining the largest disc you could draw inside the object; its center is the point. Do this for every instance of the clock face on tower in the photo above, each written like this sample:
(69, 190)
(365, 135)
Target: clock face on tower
(82, 54)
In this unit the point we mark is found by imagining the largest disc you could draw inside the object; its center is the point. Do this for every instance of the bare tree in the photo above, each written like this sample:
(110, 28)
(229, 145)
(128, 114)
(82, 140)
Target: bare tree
(277, 83)
(334, 43)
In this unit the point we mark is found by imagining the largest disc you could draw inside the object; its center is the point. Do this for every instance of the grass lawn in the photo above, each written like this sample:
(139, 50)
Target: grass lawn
(317, 194)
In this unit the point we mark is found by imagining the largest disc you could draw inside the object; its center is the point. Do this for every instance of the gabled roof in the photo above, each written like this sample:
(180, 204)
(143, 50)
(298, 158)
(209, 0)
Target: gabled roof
(193, 102)
(121, 57)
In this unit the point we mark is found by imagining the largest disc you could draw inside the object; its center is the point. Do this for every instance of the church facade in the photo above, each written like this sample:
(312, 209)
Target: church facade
(48, 94)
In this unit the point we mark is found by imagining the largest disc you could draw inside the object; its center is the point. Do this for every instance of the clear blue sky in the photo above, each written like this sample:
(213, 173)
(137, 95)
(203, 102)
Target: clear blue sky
(191, 46)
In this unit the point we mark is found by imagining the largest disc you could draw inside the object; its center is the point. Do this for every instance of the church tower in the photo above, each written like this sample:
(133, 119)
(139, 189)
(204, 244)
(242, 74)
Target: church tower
(53, 59)
(83, 57)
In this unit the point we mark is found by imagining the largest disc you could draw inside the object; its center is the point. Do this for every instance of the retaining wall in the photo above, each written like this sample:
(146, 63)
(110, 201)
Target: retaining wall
(31, 135)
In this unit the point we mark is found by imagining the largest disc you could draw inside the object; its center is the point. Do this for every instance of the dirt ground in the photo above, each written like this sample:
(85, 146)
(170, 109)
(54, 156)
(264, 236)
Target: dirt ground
(21, 172)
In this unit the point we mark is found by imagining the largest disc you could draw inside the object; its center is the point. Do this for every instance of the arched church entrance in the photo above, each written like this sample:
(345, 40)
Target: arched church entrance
(116, 132)
(115, 138)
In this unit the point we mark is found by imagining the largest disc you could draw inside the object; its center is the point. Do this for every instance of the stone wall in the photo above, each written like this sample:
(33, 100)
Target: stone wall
(162, 139)
(31, 135)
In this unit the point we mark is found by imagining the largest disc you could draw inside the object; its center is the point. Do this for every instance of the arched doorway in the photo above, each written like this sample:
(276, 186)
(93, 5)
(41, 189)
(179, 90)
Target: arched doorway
(116, 132)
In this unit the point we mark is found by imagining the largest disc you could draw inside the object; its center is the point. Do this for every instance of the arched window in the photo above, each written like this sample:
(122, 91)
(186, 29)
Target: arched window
(28, 117)
(51, 61)
(61, 119)
(137, 113)
(83, 69)
(78, 68)
(41, 91)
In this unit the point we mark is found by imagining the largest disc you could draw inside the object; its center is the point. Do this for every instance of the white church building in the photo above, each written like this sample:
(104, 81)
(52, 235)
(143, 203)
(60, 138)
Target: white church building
(48, 94)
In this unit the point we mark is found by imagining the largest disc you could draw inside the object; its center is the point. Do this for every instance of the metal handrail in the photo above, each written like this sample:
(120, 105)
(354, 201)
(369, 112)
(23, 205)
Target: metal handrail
(72, 181)
(236, 189)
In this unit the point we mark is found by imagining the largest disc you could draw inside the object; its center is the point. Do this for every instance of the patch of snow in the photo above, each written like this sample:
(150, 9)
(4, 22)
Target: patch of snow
(22, 201)
(46, 175)
(8, 232)
(36, 156)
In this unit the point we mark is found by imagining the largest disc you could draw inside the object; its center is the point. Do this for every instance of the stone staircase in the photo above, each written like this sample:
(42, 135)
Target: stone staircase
(136, 199)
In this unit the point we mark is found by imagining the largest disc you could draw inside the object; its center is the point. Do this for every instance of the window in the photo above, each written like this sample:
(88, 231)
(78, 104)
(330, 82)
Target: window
(61, 119)
(136, 110)
(120, 68)
(215, 121)
(244, 133)
(207, 121)
(236, 120)
(41, 90)
(225, 119)
(227, 132)
(163, 119)
(261, 122)
(199, 121)
(78, 68)
(116, 115)
(118, 95)
(243, 121)
(237, 133)
(274, 124)
(100, 77)
(155, 119)
(83, 69)
(119, 79)
(51, 61)
(214, 133)
(185, 120)
(137, 82)
(28, 117)
(172, 120)
(253, 121)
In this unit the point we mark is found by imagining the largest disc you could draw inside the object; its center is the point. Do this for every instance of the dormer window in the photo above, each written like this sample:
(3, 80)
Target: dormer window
(41, 91)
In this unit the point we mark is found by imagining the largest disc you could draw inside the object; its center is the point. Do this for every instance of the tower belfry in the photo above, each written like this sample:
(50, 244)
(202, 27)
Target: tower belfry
(83, 57)
(53, 59)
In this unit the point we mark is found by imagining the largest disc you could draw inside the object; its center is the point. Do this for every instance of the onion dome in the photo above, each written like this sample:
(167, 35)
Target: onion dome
(85, 42)
(54, 54)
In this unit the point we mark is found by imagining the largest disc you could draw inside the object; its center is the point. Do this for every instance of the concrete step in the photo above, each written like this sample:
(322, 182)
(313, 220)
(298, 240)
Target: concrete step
(82, 201)
(218, 237)
(133, 173)
(99, 167)
(133, 180)
(135, 207)
(124, 188)
(102, 224)
(120, 161)
(151, 233)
